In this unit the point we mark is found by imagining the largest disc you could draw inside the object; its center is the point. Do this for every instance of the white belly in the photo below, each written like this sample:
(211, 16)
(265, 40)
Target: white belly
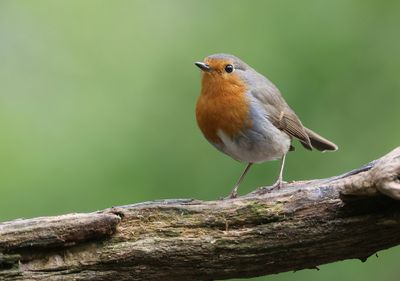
(267, 144)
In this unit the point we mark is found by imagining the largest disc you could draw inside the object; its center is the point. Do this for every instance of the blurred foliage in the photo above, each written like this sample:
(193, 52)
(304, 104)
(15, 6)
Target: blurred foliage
(97, 100)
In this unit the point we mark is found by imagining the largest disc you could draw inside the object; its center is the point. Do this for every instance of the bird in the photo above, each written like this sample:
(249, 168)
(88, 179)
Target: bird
(243, 114)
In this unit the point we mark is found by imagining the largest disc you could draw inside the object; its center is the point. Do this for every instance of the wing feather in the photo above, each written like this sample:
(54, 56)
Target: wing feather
(292, 125)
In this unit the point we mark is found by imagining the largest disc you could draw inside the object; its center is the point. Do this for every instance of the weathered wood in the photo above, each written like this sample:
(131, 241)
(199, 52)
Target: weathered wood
(300, 226)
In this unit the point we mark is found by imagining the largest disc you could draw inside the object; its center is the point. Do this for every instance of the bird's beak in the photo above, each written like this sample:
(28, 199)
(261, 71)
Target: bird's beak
(203, 66)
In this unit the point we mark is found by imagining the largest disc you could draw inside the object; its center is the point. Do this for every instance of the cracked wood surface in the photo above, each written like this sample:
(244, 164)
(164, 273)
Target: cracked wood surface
(301, 226)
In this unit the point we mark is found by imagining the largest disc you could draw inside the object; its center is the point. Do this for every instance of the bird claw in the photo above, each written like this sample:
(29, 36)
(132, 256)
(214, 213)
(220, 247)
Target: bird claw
(232, 195)
(268, 189)
(278, 185)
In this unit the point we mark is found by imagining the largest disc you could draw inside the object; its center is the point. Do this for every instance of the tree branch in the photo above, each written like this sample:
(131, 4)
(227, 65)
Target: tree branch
(301, 226)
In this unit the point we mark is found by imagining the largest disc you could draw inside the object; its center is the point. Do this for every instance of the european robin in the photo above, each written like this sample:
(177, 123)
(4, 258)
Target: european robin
(243, 114)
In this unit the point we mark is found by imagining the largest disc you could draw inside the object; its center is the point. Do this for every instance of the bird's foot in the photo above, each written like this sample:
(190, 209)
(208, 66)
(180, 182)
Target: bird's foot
(233, 193)
(268, 189)
(278, 184)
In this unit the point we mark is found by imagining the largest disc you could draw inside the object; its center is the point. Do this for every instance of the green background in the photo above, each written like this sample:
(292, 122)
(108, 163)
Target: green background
(97, 100)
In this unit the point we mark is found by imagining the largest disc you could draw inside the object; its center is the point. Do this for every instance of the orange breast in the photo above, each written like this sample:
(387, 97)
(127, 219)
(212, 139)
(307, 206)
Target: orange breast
(222, 106)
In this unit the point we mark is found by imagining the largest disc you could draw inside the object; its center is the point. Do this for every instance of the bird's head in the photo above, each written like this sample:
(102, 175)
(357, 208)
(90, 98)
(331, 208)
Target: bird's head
(222, 65)
(223, 72)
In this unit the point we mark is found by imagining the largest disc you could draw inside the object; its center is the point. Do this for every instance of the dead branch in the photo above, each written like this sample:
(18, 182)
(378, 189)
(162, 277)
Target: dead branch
(301, 226)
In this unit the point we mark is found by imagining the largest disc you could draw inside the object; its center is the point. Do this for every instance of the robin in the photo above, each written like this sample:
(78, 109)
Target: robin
(243, 114)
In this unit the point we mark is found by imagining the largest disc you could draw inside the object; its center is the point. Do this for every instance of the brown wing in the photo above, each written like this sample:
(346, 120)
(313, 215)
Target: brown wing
(280, 114)
(291, 124)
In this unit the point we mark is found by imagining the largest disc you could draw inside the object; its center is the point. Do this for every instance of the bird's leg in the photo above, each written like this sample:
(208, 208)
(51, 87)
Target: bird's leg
(279, 183)
(235, 188)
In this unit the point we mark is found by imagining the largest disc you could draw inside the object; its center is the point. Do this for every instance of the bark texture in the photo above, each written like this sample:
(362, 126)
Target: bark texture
(301, 226)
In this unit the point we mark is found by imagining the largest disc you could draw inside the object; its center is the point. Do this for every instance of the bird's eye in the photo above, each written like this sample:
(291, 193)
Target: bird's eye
(229, 68)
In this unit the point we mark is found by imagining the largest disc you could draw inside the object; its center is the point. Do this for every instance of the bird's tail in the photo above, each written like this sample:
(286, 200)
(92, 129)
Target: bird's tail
(318, 142)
